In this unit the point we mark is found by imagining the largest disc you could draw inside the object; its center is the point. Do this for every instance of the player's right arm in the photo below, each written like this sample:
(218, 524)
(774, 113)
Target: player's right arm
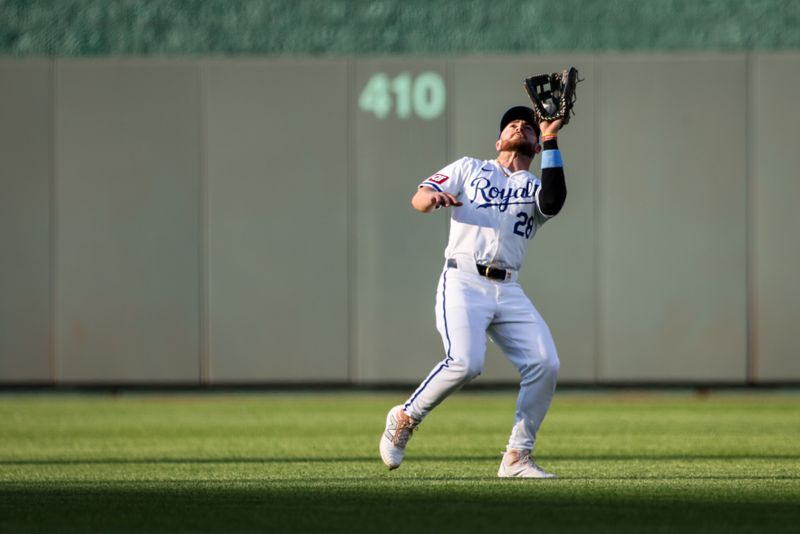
(427, 199)
(442, 189)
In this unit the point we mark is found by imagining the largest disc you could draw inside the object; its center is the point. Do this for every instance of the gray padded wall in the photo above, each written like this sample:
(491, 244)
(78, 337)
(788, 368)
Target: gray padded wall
(151, 202)
(277, 150)
(127, 221)
(673, 215)
(25, 148)
(398, 251)
(775, 222)
(558, 274)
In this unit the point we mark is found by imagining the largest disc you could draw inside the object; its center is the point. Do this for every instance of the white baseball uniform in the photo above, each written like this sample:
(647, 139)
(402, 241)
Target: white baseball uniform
(499, 216)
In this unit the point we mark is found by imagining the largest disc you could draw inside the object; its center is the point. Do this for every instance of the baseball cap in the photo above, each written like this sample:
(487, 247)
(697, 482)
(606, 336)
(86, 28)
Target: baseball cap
(519, 112)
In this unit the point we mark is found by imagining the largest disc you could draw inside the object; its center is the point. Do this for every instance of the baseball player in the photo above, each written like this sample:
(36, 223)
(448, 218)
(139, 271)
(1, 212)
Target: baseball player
(497, 207)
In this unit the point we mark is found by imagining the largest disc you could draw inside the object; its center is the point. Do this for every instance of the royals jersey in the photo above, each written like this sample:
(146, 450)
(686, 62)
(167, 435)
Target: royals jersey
(499, 215)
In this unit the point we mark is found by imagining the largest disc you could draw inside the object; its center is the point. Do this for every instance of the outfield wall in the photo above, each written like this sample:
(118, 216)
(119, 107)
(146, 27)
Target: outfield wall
(224, 221)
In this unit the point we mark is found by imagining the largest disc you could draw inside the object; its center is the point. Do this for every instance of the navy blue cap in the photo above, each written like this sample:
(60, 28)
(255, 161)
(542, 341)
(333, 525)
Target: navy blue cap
(519, 112)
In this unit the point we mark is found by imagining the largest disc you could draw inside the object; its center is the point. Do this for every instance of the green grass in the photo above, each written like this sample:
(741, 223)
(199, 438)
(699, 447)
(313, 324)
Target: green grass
(634, 462)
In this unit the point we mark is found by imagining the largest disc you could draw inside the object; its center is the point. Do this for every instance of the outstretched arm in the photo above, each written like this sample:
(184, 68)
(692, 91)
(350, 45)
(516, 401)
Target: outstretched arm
(427, 199)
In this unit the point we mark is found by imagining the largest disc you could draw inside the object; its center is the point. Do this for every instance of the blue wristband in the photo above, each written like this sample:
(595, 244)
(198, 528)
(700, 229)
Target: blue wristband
(551, 158)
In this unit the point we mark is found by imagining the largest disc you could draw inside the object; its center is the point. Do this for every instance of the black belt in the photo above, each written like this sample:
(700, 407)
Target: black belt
(484, 270)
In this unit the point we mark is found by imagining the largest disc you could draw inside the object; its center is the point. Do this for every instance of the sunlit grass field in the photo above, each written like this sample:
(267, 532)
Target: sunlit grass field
(308, 462)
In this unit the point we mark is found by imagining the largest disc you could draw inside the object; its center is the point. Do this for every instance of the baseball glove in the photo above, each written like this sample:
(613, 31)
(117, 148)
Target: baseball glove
(553, 95)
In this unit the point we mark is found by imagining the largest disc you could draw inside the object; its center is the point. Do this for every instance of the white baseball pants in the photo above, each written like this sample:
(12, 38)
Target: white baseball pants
(468, 306)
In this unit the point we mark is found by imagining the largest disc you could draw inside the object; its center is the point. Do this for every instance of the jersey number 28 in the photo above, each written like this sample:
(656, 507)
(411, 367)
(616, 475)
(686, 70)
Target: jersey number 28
(524, 226)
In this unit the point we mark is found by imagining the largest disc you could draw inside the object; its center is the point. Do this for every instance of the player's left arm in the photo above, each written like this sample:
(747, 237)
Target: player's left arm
(553, 193)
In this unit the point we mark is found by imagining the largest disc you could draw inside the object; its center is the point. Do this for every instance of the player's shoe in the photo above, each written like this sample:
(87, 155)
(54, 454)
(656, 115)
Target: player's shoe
(519, 464)
(399, 427)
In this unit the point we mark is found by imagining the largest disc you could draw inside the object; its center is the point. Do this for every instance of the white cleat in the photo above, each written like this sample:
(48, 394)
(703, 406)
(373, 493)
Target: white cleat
(399, 427)
(519, 464)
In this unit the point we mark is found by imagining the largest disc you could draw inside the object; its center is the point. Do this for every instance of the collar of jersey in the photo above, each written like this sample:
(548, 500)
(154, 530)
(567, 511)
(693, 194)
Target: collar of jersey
(506, 171)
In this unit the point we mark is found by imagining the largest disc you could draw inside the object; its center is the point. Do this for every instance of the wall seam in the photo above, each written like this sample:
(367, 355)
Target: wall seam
(596, 233)
(449, 73)
(52, 227)
(351, 254)
(750, 352)
(202, 246)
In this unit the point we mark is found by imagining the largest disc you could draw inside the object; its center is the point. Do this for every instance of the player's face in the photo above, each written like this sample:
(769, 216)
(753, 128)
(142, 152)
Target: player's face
(518, 136)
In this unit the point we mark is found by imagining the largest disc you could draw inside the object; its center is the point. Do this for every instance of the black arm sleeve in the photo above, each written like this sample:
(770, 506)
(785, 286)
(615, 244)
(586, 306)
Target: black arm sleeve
(554, 186)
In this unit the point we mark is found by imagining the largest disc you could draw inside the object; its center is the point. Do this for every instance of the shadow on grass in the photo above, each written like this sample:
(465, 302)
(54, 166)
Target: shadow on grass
(503, 506)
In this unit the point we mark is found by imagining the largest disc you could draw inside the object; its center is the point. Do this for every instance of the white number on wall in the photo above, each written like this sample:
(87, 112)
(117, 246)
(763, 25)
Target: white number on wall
(423, 96)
